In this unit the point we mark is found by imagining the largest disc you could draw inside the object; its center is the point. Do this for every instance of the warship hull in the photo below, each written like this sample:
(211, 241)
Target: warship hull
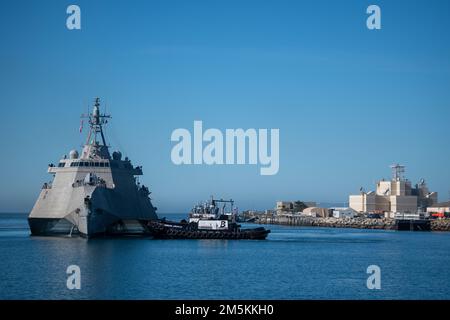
(63, 227)
(94, 211)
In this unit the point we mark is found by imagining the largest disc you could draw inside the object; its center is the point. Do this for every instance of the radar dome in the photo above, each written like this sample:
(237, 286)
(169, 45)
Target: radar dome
(117, 155)
(73, 154)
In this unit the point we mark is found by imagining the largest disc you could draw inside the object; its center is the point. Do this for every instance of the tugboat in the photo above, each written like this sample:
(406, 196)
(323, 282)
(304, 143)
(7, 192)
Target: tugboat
(206, 221)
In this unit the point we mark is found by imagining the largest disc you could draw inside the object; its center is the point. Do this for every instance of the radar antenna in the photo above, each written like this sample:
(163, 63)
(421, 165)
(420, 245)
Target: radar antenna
(96, 121)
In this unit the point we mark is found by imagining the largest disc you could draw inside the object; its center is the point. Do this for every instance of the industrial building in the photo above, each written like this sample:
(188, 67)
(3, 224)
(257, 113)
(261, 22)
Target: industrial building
(395, 195)
(343, 212)
(439, 209)
(316, 212)
(293, 206)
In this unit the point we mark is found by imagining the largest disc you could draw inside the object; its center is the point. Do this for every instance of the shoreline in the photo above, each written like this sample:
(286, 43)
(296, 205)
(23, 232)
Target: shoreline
(356, 223)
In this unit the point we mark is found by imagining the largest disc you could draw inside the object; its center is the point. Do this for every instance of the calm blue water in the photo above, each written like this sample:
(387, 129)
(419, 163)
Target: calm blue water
(294, 263)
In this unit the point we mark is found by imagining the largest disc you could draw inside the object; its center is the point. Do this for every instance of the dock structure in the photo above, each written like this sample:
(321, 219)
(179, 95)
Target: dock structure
(413, 224)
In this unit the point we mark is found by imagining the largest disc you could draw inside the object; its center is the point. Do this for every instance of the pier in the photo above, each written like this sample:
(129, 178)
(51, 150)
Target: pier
(413, 224)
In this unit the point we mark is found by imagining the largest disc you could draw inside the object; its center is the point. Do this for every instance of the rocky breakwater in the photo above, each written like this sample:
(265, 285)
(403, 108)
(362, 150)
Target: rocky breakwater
(330, 222)
(440, 225)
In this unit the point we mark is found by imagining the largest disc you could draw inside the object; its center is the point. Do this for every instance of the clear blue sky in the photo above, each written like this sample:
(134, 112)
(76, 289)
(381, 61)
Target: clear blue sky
(348, 101)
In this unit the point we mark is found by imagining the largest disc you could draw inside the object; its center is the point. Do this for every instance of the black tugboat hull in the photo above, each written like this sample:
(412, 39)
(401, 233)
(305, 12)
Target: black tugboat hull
(173, 230)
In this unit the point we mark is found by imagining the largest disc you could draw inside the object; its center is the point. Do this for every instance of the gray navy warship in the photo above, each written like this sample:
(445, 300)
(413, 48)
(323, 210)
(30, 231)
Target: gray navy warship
(93, 193)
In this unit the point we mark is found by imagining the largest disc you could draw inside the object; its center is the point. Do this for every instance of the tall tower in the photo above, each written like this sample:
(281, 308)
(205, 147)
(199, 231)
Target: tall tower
(397, 172)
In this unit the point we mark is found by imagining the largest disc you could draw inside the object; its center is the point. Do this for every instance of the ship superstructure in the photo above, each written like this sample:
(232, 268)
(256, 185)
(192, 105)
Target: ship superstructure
(92, 193)
(209, 215)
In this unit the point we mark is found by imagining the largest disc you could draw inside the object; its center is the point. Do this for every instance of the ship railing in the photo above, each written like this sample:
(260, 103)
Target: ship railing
(144, 190)
(82, 183)
(47, 185)
(137, 171)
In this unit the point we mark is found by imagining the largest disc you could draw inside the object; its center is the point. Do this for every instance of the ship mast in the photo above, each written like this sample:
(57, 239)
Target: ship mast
(96, 121)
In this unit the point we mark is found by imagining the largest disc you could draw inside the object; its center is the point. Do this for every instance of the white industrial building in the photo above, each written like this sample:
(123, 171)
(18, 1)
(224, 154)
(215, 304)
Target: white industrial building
(316, 212)
(395, 195)
(343, 212)
(292, 206)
